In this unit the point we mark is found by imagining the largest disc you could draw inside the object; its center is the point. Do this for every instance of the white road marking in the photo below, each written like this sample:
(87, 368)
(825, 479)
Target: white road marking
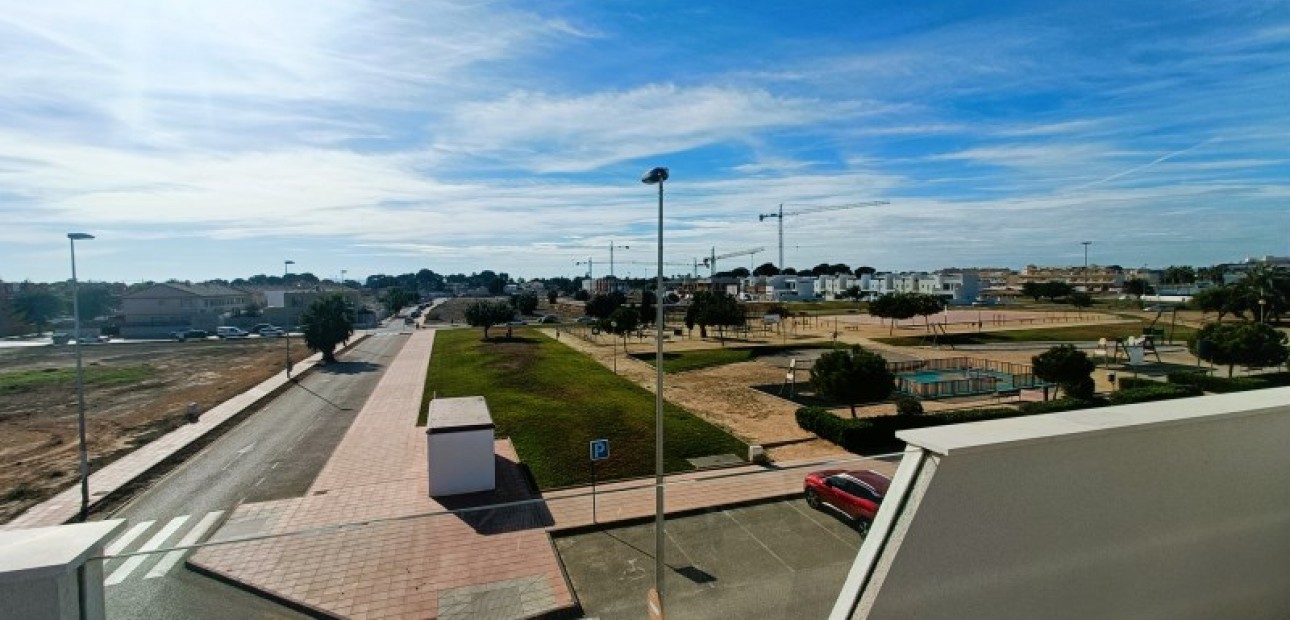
(153, 543)
(125, 539)
(759, 541)
(168, 562)
(246, 449)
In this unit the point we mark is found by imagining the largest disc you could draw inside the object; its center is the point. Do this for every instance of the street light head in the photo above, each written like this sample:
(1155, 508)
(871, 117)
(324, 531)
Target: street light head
(288, 262)
(657, 175)
(79, 236)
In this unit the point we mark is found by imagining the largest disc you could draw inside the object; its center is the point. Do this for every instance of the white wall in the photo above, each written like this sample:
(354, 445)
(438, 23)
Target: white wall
(461, 462)
(1171, 510)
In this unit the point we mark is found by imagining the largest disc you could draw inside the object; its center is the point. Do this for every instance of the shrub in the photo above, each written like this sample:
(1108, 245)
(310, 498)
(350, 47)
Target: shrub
(1223, 385)
(878, 434)
(1160, 391)
(1061, 404)
(1069, 368)
(908, 405)
(1129, 383)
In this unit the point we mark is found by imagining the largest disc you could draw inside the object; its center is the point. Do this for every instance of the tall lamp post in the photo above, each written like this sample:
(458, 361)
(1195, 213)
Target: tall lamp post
(72, 238)
(1086, 244)
(656, 177)
(286, 329)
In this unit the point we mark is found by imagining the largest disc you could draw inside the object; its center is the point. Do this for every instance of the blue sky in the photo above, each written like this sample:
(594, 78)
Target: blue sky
(202, 139)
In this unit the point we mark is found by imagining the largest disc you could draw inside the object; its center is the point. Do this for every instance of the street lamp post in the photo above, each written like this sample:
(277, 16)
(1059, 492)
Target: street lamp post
(658, 176)
(72, 238)
(286, 314)
(1086, 244)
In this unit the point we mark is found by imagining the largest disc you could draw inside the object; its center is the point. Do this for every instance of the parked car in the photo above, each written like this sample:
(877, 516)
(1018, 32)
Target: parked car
(259, 326)
(516, 323)
(190, 334)
(231, 332)
(586, 319)
(271, 332)
(855, 494)
(549, 318)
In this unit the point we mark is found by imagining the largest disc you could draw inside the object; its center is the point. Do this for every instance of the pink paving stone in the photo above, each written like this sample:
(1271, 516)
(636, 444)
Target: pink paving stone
(398, 566)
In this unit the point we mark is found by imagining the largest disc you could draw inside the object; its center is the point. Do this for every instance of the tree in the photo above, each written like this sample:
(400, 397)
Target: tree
(739, 272)
(486, 314)
(396, 299)
(1069, 368)
(95, 300)
(1246, 343)
(852, 376)
(581, 295)
(788, 271)
(713, 309)
(1265, 293)
(1211, 274)
(853, 293)
(908, 405)
(894, 306)
(1033, 290)
(647, 314)
(524, 303)
(925, 306)
(327, 322)
(38, 307)
(603, 305)
(622, 322)
(766, 269)
(1137, 287)
(1054, 289)
(1221, 300)
(552, 296)
(1080, 299)
(864, 269)
(1179, 274)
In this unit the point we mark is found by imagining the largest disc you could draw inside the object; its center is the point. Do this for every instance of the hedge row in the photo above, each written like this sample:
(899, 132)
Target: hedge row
(1159, 391)
(1223, 385)
(878, 434)
(1128, 383)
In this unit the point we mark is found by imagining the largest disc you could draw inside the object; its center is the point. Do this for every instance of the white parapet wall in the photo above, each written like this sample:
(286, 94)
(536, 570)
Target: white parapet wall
(46, 573)
(1177, 509)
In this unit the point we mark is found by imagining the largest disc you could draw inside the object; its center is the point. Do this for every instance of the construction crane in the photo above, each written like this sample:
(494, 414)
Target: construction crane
(781, 214)
(591, 267)
(711, 261)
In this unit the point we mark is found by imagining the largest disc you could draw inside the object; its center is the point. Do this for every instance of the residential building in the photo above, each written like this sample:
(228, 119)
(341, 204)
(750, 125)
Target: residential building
(834, 286)
(284, 307)
(160, 309)
(1094, 279)
(955, 287)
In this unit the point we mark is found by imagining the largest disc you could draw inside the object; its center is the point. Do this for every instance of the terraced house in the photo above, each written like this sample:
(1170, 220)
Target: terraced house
(158, 310)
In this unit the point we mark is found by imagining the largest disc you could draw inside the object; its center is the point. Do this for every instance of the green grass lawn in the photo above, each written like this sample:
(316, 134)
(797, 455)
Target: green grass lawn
(551, 401)
(1088, 333)
(680, 361)
(27, 380)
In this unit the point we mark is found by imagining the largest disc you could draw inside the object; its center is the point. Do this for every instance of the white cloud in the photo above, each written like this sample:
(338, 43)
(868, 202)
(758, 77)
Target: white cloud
(544, 133)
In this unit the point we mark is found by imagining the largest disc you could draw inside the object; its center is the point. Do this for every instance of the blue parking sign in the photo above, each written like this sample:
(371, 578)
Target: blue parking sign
(599, 449)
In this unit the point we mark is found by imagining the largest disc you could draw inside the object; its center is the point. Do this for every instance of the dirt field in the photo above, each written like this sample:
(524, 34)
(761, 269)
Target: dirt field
(723, 394)
(134, 393)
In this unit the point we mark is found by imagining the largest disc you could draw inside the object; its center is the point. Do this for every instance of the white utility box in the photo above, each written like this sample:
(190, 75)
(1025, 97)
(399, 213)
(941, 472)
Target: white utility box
(459, 446)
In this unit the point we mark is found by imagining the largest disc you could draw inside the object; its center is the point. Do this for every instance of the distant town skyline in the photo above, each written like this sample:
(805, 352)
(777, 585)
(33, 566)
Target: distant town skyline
(217, 141)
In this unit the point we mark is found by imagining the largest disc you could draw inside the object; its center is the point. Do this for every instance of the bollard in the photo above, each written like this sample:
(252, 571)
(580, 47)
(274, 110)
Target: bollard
(192, 413)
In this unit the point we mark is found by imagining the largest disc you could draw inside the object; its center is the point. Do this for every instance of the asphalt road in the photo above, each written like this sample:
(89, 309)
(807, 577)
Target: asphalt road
(275, 453)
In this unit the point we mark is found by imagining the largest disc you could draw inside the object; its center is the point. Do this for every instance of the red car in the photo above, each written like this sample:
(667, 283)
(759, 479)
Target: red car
(856, 494)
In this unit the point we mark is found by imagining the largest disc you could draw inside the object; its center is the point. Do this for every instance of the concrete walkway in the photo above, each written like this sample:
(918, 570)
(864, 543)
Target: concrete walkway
(66, 505)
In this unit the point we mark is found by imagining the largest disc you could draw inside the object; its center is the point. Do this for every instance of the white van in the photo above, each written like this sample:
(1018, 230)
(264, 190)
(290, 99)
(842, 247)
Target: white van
(231, 332)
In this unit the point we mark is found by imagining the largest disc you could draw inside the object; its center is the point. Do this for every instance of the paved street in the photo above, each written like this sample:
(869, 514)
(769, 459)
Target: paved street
(274, 454)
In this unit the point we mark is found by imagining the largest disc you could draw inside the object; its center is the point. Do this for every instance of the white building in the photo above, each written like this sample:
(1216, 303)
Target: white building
(953, 286)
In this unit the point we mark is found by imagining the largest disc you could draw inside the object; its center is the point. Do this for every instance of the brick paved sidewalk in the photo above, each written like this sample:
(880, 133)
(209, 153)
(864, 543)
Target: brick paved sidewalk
(66, 505)
(416, 561)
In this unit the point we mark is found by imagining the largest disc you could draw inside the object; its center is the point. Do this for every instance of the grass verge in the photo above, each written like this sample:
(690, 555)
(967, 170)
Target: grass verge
(1080, 333)
(681, 361)
(551, 401)
(27, 380)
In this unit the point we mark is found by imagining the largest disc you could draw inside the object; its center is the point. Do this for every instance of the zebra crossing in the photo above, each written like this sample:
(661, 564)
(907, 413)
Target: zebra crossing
(119, 570)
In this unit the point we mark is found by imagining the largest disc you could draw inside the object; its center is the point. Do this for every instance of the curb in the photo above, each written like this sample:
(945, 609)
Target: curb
(198, 442)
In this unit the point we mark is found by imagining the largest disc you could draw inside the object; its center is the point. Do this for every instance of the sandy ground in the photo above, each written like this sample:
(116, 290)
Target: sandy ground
(38, 427)
(724, 395)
